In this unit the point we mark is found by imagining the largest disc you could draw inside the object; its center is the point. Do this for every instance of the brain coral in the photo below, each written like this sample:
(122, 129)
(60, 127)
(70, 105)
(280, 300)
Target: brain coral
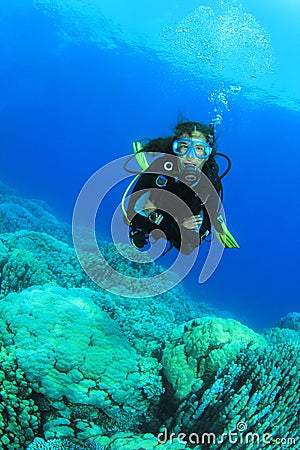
(195, 351)
(73, 353)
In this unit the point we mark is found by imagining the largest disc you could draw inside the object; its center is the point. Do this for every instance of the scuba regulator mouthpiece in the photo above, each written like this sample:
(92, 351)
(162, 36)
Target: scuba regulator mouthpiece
(190, 175)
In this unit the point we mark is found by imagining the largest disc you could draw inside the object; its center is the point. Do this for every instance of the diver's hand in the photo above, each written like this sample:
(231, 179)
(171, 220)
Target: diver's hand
(149, 206)
(192, 223)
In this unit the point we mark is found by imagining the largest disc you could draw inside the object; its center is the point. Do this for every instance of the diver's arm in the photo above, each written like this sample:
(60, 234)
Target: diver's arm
(145, 207)
(153, 214)
(140, 193)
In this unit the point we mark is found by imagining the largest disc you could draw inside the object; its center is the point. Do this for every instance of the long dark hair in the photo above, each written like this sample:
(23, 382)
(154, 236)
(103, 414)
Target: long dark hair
(191, 127)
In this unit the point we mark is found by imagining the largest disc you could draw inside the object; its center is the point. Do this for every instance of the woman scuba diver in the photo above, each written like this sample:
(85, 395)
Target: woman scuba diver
(179, 195)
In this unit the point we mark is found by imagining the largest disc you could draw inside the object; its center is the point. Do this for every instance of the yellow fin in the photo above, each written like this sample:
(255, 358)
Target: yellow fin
(226, 238)
(139, 155)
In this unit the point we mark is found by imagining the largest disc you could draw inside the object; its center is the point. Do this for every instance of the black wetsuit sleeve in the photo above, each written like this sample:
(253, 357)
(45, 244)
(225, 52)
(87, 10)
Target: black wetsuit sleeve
(145, 183)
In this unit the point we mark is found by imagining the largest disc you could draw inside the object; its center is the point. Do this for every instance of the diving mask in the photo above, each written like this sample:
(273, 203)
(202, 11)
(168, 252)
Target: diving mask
(192, 147)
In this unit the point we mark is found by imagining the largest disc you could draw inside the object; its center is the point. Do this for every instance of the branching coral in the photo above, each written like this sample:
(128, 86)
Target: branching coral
(259, 390)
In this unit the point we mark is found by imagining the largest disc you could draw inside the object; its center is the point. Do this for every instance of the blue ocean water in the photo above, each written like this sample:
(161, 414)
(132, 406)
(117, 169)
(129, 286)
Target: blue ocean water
(80, 81)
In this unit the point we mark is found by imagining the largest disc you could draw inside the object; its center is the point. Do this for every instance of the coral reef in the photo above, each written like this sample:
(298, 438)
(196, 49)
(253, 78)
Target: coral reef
(17, 213)
(281, 335)
(195, 351)
(129, 441)
(29, 258)
(84, 369)
(73, 354)
(19, 415)
(288, 330)
(146, 321)
(257, 394)
(60, 444)
(120, 441)
(290, 321)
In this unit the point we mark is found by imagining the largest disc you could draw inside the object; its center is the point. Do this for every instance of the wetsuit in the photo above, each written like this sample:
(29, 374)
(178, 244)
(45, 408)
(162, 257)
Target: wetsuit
(157, 187)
